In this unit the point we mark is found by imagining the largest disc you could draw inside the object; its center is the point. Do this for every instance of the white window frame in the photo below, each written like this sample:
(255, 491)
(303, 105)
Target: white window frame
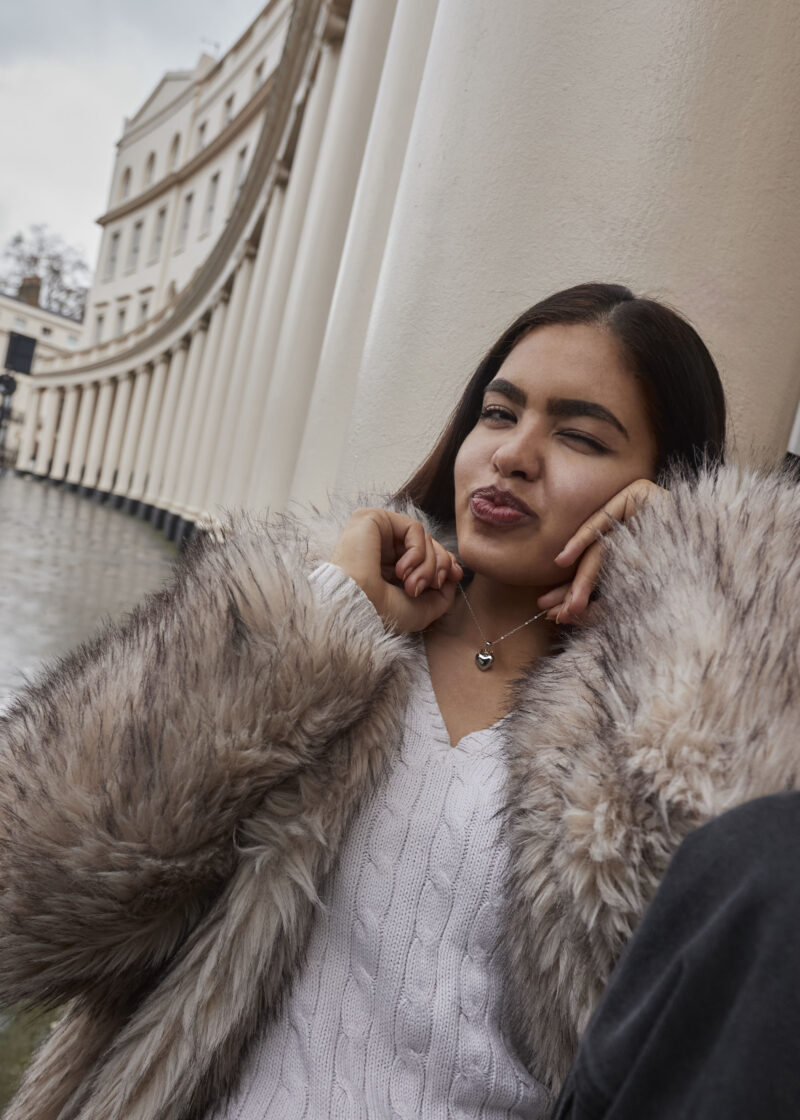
(211, 201)
(159, 228)
(113, 254)
(186, 219)
(136, 245)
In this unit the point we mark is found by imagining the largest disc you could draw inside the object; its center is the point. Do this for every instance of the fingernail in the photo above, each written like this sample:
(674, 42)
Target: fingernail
(421, 586)
(442, 578)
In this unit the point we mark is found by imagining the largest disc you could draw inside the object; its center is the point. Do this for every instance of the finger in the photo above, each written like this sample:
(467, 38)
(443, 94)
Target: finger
(585, 580)
(443, 565)
(555, 596)
(412, 547)
(423, 575)
(601, 522)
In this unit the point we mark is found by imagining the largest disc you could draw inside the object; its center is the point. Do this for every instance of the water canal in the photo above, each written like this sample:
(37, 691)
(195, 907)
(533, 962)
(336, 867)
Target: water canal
(66, 563)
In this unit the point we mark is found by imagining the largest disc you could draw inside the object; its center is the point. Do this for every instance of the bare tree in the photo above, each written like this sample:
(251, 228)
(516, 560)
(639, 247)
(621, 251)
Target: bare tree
(62, 270)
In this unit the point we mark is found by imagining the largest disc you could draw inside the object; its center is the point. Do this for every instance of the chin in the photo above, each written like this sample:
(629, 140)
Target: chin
(502, 561)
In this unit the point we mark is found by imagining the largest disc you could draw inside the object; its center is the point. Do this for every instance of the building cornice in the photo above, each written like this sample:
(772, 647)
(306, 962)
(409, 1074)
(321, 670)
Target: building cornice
(302, 41)
(214, 147)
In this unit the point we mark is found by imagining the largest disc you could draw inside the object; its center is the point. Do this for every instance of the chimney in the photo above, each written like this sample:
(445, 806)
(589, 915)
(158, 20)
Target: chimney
(29, 290)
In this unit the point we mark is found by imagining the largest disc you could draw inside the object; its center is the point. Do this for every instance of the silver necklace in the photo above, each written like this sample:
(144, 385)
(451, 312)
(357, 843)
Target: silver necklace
(484, 658)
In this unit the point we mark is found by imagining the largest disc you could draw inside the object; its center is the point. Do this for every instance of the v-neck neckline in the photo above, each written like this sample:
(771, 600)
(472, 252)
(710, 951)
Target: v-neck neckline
(480, 735)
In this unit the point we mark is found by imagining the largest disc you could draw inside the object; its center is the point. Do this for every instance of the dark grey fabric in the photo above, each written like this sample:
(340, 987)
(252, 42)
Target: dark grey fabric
(701, 1017)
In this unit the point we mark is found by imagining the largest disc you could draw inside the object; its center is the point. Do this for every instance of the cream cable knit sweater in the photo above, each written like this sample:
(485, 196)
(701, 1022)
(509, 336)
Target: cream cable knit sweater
(398, 1010)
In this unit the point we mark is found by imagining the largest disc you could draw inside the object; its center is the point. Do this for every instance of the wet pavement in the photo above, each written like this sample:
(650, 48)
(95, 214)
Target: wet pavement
(66, 563)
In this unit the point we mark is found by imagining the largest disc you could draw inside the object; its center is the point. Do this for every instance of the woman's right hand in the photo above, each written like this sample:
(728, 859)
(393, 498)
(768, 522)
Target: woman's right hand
(408, 576)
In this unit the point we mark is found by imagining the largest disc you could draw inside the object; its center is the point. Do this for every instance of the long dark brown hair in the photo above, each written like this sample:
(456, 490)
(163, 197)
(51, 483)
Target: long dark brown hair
(682, 388)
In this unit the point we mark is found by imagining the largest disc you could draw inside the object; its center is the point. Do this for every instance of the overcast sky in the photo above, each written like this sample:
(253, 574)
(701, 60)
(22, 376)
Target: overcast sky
(69, 73)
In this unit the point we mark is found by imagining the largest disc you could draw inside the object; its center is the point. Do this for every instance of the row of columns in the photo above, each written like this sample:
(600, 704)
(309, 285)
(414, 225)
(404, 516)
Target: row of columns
(239, 406)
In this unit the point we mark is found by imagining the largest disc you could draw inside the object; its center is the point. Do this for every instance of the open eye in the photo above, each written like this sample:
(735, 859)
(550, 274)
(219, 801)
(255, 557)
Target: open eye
(496, 412)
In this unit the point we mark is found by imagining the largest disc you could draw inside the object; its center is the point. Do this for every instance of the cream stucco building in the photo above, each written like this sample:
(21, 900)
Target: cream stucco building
(309, 243)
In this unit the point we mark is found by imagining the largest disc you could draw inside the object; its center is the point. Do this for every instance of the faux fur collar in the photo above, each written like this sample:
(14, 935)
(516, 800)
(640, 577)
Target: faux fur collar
(681, 702)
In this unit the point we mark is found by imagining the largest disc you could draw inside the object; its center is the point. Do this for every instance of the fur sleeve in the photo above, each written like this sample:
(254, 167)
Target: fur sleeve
(127, 769)
(681, 703)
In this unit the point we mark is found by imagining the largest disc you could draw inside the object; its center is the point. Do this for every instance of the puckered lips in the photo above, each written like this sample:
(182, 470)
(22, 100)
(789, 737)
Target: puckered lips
(498, 507)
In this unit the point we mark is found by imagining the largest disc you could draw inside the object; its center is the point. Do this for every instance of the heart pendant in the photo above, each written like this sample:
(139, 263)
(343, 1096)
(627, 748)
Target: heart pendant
(484, 660)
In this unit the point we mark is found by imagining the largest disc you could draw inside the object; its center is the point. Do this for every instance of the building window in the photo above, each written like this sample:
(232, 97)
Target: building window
(113, 253)
(136, 242)
(150, 169)
(120, 321)
(125, 187)
(98, 328)
(227, 111)
(211, 201)
(258, 76)
(239, 174)
(143, 307)
(186, 218)
(201, 136)
(174, 149)
(20, 321)
(158, 234)
(46, 332)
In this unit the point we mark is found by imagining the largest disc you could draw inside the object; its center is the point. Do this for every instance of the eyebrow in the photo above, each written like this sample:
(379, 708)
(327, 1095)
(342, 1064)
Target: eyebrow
(562, 407)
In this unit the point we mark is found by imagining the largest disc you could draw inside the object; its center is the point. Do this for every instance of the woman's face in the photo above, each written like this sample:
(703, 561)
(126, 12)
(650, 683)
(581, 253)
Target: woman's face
(563, 428)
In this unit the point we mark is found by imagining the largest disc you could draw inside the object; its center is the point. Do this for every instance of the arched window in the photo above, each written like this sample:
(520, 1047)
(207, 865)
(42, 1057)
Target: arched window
(150, 169)
(125, 185)
(174, 148)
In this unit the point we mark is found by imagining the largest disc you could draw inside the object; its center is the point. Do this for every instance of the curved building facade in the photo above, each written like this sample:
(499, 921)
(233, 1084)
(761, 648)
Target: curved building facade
(310, 243)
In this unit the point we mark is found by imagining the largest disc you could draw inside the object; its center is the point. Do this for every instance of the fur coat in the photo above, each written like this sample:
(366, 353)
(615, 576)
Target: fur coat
(173, 793)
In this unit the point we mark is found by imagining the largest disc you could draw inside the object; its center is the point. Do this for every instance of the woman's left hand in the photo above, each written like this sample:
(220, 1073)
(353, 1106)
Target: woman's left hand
(568, 602)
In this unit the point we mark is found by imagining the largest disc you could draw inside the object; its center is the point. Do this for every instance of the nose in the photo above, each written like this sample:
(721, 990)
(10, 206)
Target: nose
(518, 455)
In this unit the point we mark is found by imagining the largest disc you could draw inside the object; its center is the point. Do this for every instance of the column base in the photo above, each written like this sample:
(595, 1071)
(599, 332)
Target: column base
(169, 524)
(184, 534)
(116, 500)
(130, 506)
(100, 495)
(157, 517)
(85, 491)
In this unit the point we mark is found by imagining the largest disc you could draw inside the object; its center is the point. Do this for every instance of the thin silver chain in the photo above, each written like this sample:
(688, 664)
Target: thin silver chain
(487, 644)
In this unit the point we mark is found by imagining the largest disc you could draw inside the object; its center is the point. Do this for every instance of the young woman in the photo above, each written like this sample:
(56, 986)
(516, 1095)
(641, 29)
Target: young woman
(343, 825)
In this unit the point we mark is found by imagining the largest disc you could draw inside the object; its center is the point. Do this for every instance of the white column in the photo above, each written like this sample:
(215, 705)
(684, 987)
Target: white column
(228, 484)
(335, 384)
(208, 458)
(27, 443)
(177, 433)
(193, 450)
(47, 436)
(165, 428)
(99, 435)
(77, 456)
(319, 252)
(261, 357)
(527, 171)
(66, 431)
(146, 446)
(116, 430)
(133, 427)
